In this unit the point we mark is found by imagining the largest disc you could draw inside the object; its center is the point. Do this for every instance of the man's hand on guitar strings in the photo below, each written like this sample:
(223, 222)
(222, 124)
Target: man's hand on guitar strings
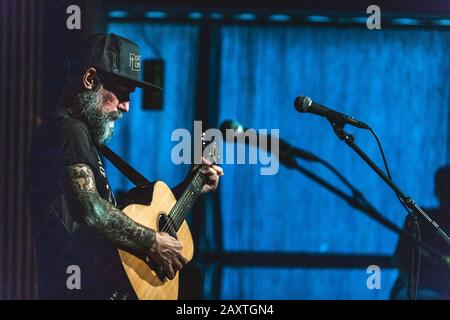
(212, 173)
(166, 253)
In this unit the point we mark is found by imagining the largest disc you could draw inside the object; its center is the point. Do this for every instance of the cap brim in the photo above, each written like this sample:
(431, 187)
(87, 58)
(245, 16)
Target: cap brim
(137, 83)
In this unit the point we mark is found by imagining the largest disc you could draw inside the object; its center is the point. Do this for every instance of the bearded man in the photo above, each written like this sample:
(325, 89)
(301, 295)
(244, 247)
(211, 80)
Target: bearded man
(77, 224)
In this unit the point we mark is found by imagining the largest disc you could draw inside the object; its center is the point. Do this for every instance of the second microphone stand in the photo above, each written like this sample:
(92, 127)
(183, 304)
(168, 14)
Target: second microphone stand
(287, 157)
(417, 212)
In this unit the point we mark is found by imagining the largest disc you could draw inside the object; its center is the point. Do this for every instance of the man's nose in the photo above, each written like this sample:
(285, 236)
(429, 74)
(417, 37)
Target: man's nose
(124, 106)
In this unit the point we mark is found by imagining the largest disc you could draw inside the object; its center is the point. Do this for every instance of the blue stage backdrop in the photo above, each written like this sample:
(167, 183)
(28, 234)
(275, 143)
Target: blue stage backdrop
(395, 80)
(143, 137)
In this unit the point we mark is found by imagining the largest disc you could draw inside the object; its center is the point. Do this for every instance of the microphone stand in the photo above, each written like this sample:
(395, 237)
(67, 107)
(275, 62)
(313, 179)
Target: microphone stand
(357, 201)
(338, 128)
(414, 258)
(287, 156)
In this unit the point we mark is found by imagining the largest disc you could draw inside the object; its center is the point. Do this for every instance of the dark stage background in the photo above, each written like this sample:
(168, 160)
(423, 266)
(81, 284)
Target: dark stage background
(258, 237)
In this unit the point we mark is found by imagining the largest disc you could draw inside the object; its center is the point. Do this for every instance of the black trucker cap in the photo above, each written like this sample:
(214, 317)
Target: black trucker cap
(114, 55)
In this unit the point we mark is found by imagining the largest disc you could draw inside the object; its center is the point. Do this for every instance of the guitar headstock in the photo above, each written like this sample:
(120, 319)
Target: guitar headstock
(210, 150)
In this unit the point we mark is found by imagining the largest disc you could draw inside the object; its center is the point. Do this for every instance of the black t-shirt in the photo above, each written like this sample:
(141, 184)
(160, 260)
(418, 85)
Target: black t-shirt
(60, 241)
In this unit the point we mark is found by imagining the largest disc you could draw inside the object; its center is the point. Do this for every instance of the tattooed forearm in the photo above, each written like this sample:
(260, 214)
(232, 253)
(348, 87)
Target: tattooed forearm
(113, 224)
(99, 215)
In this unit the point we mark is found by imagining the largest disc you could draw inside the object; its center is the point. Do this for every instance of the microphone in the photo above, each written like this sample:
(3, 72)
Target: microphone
(305, 104)
(286, 150)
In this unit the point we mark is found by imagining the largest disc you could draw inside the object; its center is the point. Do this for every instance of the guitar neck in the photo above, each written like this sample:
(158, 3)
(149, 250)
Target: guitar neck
(187, 199)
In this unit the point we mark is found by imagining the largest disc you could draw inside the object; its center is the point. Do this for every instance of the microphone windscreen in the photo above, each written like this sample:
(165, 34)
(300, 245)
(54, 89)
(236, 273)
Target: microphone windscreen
(302, 103)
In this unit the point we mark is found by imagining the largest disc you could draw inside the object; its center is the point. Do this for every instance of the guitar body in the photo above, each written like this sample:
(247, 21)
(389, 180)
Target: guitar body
(144, 280)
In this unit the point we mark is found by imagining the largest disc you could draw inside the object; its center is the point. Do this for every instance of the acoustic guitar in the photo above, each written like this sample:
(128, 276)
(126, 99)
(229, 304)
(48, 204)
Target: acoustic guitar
(164, 213)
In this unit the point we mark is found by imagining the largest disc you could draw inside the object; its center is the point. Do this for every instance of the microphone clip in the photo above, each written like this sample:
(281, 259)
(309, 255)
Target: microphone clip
(338, 128)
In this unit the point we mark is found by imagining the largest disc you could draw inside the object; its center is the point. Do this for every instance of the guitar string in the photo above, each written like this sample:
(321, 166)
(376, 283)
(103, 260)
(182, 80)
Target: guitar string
(177, 214)
(186, 197)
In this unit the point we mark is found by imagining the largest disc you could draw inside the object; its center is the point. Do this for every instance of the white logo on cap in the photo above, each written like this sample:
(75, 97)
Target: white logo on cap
(135, 62)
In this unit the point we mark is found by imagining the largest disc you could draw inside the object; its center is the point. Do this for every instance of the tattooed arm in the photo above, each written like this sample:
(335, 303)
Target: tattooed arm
(101, 217)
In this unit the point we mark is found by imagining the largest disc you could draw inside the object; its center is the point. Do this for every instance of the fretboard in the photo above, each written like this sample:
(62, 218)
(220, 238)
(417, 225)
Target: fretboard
(187, 199)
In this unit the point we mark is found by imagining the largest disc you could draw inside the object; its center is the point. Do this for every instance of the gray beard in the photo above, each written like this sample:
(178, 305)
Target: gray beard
(100, 123)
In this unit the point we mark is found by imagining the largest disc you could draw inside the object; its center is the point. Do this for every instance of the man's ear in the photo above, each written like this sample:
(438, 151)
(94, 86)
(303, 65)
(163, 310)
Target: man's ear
(89, 78)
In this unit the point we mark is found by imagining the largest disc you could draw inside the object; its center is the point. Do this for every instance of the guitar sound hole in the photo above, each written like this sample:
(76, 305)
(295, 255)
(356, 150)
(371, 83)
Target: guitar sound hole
(166, 224)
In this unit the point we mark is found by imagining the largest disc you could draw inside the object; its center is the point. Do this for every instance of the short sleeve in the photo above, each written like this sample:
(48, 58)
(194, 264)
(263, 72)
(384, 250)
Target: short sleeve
(77, 145)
